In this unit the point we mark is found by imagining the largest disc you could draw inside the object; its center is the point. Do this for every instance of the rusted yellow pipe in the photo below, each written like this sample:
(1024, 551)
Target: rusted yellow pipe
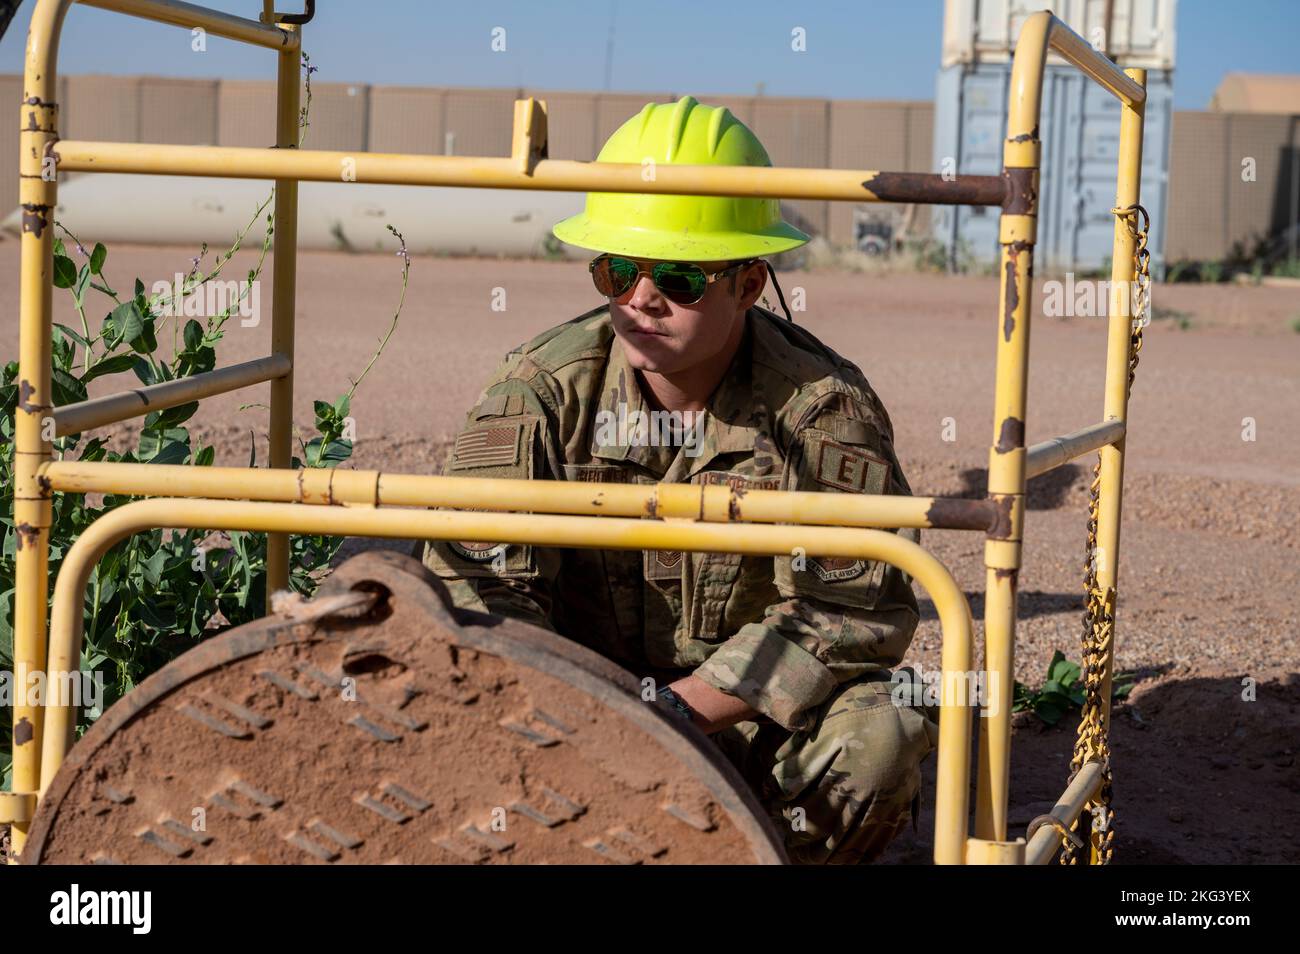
(111, 408)
(714, 503)
(1097, 67)
(1042, 31)
(981, 852)
(1118, 344)
(612, 532)
(213, 21)
(489, 172)
(34, 425)
(1044, 842)
(284, 281)
(1006, 480)
(1055, 451)
(17, 808)
(1008, 459)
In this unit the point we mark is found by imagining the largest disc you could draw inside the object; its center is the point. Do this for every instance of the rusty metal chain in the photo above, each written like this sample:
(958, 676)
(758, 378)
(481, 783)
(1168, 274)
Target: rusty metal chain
(1092, 743)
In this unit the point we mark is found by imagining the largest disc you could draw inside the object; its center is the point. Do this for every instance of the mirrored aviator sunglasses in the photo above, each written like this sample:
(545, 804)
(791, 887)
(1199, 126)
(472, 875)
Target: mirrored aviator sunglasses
(682, 282)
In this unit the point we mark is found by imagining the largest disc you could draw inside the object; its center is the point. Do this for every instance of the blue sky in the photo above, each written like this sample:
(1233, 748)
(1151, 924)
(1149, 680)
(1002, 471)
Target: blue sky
(868, 49)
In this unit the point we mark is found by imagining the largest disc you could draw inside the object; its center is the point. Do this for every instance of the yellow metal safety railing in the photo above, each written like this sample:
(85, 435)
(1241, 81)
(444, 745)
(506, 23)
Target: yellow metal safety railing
(704, 518)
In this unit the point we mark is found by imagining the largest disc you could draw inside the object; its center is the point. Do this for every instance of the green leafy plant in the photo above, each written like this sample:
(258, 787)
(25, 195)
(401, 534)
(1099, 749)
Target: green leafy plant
(1289, 268)
(155, 594)
(1063, 691)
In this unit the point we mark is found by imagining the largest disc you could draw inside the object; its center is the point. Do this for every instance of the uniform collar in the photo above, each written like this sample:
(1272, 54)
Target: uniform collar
(735, 418)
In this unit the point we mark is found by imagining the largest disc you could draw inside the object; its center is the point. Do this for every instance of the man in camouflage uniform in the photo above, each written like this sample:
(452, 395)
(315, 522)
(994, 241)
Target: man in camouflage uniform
(785, 661)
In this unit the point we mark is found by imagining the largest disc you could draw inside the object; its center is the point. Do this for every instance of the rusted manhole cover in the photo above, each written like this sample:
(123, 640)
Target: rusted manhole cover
(402, 736)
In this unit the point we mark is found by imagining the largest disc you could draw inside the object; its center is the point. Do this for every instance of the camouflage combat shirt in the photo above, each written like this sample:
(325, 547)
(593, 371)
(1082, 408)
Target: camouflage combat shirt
(779, 632)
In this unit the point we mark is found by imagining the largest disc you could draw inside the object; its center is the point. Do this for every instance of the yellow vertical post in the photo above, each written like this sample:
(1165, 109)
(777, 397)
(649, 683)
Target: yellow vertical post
(1123, 276)
(34, 425)
(283, 294)
(1006, 485)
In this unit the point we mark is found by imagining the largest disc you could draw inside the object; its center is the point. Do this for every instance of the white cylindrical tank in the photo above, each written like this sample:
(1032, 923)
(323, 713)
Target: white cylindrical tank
(186, 210)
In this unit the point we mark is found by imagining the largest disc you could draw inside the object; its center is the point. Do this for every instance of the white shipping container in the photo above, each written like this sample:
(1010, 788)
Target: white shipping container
(1136, 33)
(1076, 188)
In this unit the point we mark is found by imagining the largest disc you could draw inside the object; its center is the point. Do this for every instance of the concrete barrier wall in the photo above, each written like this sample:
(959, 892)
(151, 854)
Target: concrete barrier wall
(1230, 180)
(1211, 206)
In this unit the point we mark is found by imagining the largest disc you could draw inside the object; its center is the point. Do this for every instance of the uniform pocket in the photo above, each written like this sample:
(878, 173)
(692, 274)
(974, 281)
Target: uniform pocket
(713, 607)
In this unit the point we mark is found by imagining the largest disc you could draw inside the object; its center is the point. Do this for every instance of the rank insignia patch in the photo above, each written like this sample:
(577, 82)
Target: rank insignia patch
(663, 564)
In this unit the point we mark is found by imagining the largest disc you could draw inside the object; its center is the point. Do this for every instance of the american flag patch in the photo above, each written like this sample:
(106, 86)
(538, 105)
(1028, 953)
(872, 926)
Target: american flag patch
(488, 446)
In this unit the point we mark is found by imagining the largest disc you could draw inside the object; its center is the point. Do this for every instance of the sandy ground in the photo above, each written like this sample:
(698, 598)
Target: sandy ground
(1209, 567)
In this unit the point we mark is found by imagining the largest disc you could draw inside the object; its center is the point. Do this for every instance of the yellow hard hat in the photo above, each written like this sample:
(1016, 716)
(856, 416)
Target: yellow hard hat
(682, 228)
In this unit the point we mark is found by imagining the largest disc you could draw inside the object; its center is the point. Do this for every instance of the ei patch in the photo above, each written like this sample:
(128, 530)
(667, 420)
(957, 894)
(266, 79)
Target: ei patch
(848, 468)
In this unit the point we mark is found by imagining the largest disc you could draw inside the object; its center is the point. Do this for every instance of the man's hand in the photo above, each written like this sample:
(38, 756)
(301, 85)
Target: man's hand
(714, 709)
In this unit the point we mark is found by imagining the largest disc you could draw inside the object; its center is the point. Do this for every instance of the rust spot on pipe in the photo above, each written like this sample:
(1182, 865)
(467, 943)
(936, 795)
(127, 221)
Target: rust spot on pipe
(44, 483)
(1012, 299)
(23, 732)
(1000, 527)
(1021, 196)
(1030, 136)
(34, 220)
(1011, 436)
(26, 530)
(934, 189)
(25, 390)
(652, 506)
(954, 513)
(37, 103)
(1003, 573)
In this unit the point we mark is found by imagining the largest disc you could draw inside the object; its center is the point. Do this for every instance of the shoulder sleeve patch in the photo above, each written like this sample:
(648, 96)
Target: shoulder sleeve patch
(847, 468)
(492, 445)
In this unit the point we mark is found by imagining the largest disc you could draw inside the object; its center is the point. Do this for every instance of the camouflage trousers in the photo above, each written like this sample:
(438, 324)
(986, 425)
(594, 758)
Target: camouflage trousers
(841, 790)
